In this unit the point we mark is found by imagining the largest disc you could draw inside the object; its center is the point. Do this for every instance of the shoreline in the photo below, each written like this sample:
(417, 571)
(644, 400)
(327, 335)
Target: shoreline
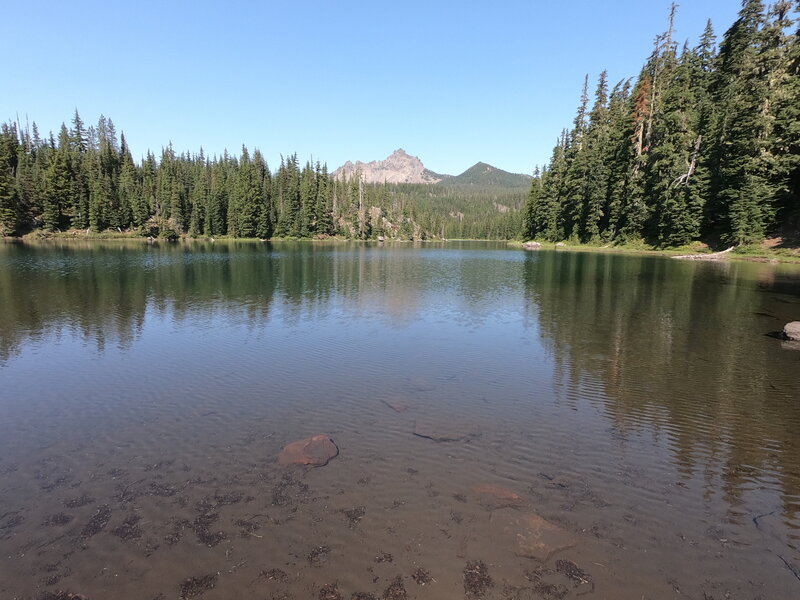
(697, 250)
(746, 254)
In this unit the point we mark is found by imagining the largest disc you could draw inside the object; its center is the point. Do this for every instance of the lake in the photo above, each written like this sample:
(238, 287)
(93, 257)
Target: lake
(510, 424)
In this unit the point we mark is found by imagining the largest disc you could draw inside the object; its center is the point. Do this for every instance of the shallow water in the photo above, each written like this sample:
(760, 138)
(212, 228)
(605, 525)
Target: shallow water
(639, 405)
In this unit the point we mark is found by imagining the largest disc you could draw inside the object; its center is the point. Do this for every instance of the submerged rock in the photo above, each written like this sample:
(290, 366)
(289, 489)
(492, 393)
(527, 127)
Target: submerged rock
(444, 431)
(791, 331)
(530, 535)
(398, 403)
(315, 451)
(419, 384)
(497, 496)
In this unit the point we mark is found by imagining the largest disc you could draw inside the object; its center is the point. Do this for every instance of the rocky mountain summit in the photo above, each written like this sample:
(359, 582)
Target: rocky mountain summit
(399, 167)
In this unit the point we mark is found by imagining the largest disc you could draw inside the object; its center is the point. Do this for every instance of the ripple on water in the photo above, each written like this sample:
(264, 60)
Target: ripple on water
(593, 392)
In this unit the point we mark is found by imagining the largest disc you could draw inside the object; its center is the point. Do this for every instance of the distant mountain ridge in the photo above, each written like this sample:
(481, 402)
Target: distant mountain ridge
(401, 167)
(482, 174)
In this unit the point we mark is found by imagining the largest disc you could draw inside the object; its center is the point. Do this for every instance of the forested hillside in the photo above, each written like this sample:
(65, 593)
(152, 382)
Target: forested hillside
(86, 179)
(483, 175)
(454, 210)
(703, 144)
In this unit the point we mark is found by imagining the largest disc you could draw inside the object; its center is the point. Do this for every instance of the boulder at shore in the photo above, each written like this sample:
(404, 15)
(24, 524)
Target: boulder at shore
(791, 331)
(531, 245)
(314, 451)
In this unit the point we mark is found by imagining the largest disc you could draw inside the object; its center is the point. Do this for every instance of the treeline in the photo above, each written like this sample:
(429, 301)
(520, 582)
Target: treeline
(453, 211)
(86, 179)
(704, 144)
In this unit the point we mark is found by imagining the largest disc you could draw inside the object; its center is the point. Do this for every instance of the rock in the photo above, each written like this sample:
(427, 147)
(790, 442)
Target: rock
(531, 245)
(314, 451)
(399, 167)
(530, 535)
(791, 331)
(398, 403)
(419, 384)
(444, 431)
(497, 496)
(560, 244)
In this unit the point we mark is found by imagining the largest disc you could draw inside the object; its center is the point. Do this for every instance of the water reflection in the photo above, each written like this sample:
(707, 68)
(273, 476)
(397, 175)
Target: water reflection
(102, 292)
(616, 378)
(683, 350)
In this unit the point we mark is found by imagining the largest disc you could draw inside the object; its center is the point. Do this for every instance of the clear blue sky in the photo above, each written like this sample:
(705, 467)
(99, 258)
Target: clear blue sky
(451, 82)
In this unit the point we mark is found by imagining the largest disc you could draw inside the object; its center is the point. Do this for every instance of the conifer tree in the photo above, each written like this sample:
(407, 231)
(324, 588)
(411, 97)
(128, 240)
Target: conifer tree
(572, 205)
(782, 155)
(596, 181)
(545, 201)
(29, 184)
(287, 193)
(265, 225)
(533, 221)
(9, 200)
(695, 184)
(217, 210)
(243, 204)
(617, 158)
(670, 159)
(59, 189)
(740, 196)
(308, 201)
(629, 210)
(323, 217)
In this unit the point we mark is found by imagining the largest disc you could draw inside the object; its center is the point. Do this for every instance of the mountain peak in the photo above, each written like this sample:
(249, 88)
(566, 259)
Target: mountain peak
(398, 167)
(401, 167)
(483, 174)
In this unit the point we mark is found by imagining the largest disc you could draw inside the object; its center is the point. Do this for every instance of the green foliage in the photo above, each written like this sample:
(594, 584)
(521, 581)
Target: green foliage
(704, 145)
(10, 208)
(161, 228)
